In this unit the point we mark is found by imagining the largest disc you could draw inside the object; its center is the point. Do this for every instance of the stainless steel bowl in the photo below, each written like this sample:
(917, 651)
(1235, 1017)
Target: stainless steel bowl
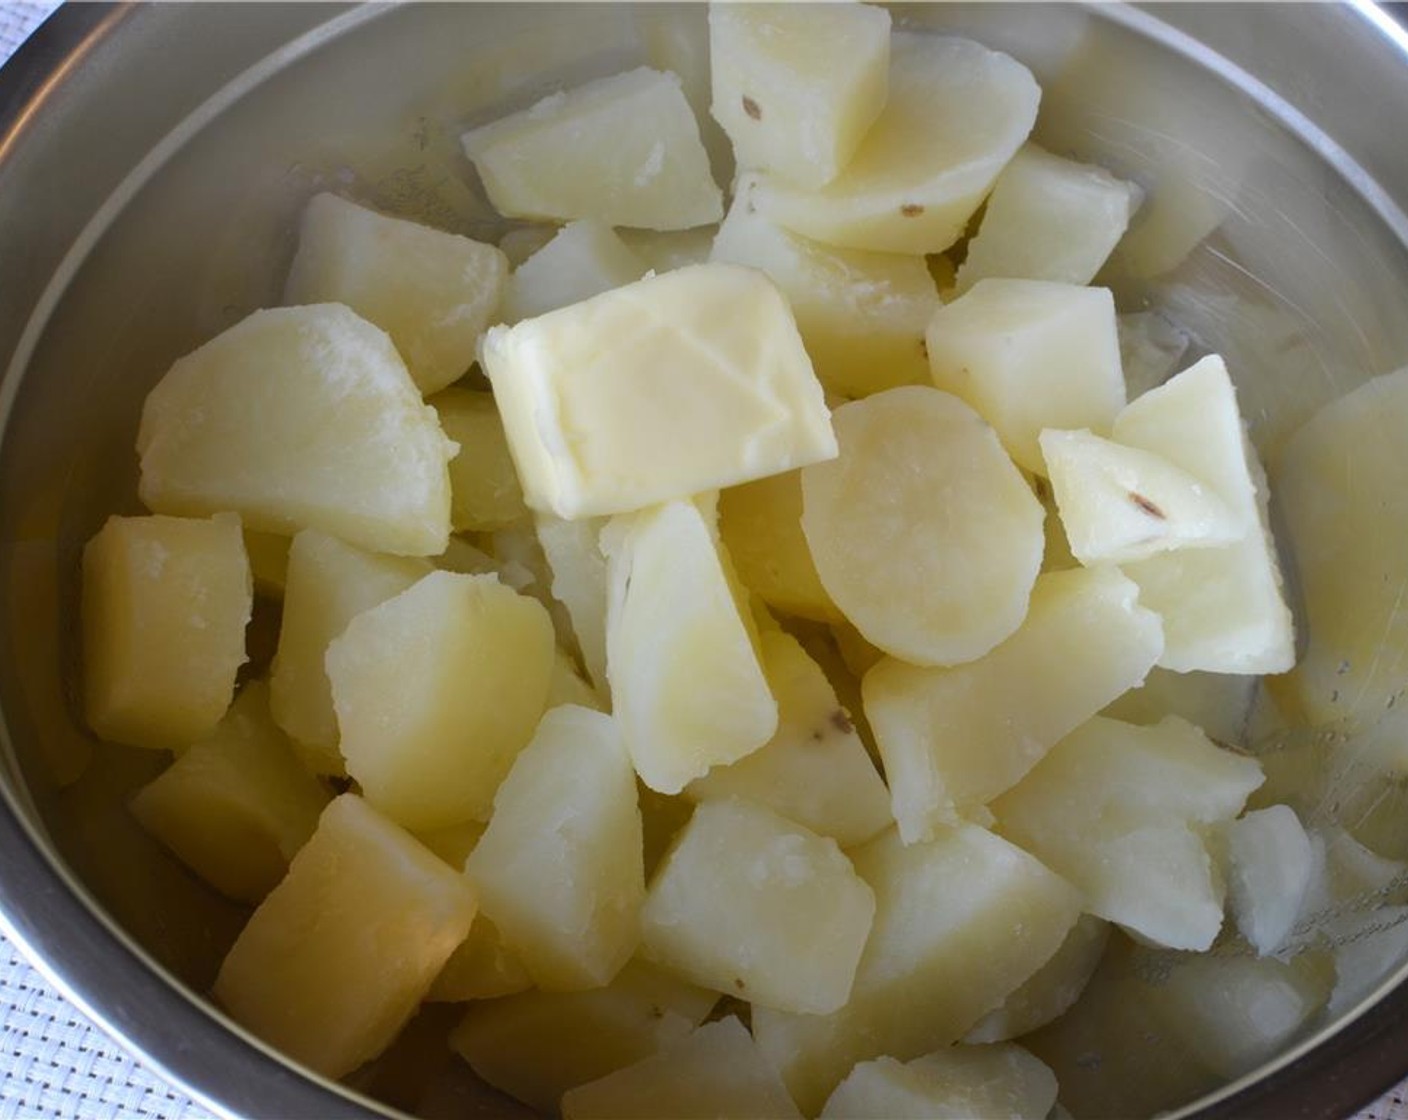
(152, 164)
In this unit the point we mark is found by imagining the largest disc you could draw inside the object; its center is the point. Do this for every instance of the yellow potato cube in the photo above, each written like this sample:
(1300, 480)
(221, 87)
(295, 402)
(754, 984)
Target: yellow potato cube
(815, 770)
(573, 553)
(237, 806)
(436, 690)
(686, 681)
(165, 604)
(716, 1071)
(960, 922)
(433, 292)
(624, 150)
(862, 315)
(484, 489)
(956, 113)
(481, 967)
(797, 88)
(297, 418)
(761, 526)
(329, 584)
(537, 1045)
(559, 868)
(667, 250)
(953, 739)
(1048, 218)
(754, 906)
(590, 392)
(1030, 355)
(358, 886)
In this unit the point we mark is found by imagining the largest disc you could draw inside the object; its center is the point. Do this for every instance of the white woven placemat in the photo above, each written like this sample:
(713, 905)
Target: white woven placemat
(53, 1062)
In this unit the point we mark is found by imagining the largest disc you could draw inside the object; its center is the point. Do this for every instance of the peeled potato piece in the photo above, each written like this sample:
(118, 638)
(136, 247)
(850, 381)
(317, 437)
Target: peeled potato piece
(623, 150)
(797, 89)
(1116, 809)
(436, 691)
(751, 905)
(953, 739)
(559, 868)
(686, 681)
(165, 605)
(1030, 355)
(1120, 504)
(923, 532)
(329, 584)
(956, 113)
(286, 978)
(960, 922)
(1223, 608)
(433, 292)
(1048, 218)
(298, 418)
(237, 806)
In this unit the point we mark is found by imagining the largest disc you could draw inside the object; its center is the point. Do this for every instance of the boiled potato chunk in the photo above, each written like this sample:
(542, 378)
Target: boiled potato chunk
(761, 526)
(862, 315)
(591, 392)
(433, 292)
(623, 150)
(960, 923)
(1048, 218)
(1030, 355)
(235, 807)
(1346, 518)
(1270, 866)
(716, 1072)
(484, 490)
(165, 605)
(956, 113)
(300, 418)
(953, 739)
(537, 1045)
(957, 1084)
(815, 770)
(329, 584)
(559, 869)
(1117, 810)
(568, 686)
(923, 532)
(573, 553)
(686, 681)
(1051, 990)
(1223, 608)
(797, 89)
(1221, 704)
(287, 977)
(752, 905)
(1151, 350)
(585, 259)
(1120, 504)
(436, 691)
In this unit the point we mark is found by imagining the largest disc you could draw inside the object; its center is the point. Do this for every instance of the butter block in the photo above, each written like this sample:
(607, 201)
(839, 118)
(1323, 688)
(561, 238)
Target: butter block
(618, 402)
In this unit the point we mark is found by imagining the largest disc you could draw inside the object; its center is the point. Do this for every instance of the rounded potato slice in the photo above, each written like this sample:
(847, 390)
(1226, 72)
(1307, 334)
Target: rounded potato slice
(923, 531)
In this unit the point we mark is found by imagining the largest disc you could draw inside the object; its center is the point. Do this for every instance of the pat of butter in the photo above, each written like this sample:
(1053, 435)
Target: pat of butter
(661, 389)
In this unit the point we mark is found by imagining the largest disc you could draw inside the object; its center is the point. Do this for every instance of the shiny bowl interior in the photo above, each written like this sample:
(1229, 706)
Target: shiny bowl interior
(154, 161)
